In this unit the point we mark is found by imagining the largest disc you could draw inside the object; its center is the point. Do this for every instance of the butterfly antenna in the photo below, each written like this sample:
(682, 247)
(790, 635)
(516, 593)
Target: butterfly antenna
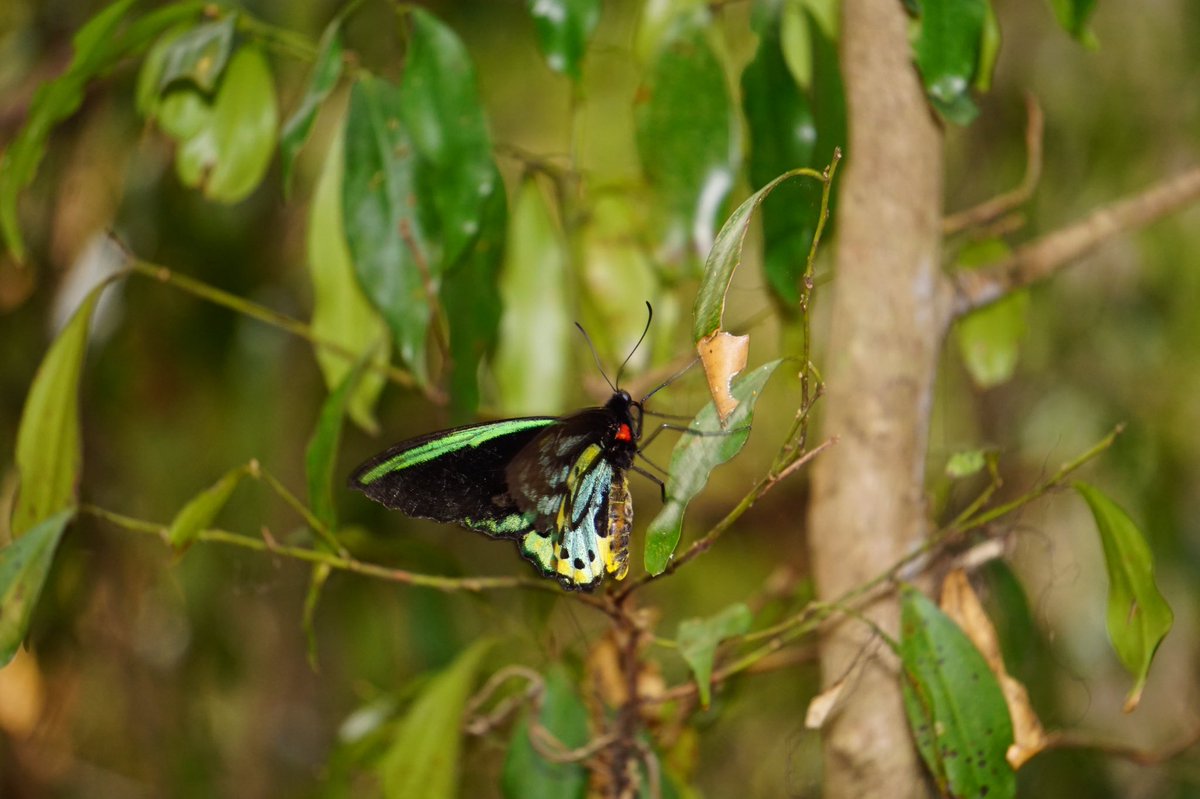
(596, 355)
(670, 380)
(641, 338)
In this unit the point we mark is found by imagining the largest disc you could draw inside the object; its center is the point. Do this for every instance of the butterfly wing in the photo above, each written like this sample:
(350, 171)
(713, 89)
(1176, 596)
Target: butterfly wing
(562, 482)
(457, 476)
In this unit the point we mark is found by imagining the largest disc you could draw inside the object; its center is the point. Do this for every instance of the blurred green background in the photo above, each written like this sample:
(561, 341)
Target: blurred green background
(155, 675)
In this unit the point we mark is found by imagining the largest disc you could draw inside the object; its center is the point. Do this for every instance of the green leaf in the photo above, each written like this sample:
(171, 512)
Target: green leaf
(24, 564)
(783, 136)
(533, 357)
(385, 218)
(1073, 16)
(439, 102)
(694, 457)
(423, 756)
(341, 313)
(226, 145)
(526, 774)
(471, 298)
(989, 49)
(316, 583)
(698, 639)
(948, 53)
(320, 457)
(708, 309)
(1138, 615)
(200, 511)
(324, 78)
(98, 46)
(198, 56)
(49, 452)
(965, 464)
(954, 703)
(989, 339)
(563, 29)
(687, 137)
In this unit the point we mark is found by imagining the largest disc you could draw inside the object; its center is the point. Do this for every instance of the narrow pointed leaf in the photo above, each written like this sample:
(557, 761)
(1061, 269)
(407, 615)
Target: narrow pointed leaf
(526, 774)
(783, 136)
(563, 29)
(698, 639)
(316, 583)
(439, 101)
(471, 298)
(954, 704)
(532, 360)
(49, 450)
(1073, 15)
(325, 74)
(102, 42)
(384, 216)
(1138, 615)
(423, 756)
(687, 137)
(341, 312)
(200, 511)
(695, 457)
(24, 564)
(320, 457)
(948, 54)
(199, 56)
(708, 310)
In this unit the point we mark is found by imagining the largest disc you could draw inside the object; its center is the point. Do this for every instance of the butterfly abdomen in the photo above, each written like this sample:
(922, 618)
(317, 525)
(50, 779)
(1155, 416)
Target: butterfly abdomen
(620, 524)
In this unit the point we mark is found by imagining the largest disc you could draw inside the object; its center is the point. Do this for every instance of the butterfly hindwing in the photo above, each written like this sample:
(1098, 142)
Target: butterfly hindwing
(456, 476)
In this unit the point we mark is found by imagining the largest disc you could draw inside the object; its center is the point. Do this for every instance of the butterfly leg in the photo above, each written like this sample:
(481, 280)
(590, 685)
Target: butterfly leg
(662, 487)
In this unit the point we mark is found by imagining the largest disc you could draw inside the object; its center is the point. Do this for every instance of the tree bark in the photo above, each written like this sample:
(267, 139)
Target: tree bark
(889, 310)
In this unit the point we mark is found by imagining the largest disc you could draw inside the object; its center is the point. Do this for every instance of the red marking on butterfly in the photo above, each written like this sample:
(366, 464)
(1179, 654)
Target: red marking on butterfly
(624, 433)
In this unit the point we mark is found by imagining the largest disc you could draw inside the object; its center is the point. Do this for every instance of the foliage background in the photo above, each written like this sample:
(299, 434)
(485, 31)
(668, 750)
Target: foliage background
(154, 676)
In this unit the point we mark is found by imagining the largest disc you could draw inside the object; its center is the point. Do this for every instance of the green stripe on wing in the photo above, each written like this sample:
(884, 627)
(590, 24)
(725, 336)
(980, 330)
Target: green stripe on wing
(455, 440)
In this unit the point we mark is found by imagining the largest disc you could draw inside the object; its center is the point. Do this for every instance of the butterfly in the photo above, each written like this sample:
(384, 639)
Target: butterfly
(558, 486)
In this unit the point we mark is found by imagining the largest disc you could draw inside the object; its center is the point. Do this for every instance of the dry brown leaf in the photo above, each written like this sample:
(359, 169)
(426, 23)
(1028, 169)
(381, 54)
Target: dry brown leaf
(823, 704)
(960, 603)
(723, 356)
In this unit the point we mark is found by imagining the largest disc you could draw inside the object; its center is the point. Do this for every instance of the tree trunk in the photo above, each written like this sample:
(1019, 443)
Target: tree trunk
(888, 316)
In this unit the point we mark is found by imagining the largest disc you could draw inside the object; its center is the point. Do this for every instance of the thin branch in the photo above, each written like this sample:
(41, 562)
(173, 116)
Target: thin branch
(1001, 204)
(1141, 757)
(349, 564)
(1045, 256)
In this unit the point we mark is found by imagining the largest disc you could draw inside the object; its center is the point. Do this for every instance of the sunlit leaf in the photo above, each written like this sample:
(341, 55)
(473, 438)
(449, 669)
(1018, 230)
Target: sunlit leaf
(384, 219)
(1073, 15)
(695, 456)
(687, 137)
(471, 298)
(441, 109)
(532, 359)
(1138, 615)
(698, 639)
(200, 511)
(325, 74)
(24, 564)
(948, 47)
(708, 310)
(228, 146)
(102, 42)
(423, 757)
(954, 703)
(783, 136)
(341, 313)
(527, 775)
(49, 453)
(198, 56)
(563, 29)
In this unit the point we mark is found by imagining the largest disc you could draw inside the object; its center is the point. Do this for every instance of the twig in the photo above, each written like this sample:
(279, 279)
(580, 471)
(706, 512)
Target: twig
(1141, 757)
(1045, 256)
(350, 564)
(1003, 203)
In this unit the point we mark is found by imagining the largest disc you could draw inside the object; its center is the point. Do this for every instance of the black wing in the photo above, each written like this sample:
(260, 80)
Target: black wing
(457, 475)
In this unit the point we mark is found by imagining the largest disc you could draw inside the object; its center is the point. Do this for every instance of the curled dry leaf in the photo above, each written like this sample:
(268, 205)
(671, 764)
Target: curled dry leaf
(960, 603)
(723, 356)
(823, 704)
